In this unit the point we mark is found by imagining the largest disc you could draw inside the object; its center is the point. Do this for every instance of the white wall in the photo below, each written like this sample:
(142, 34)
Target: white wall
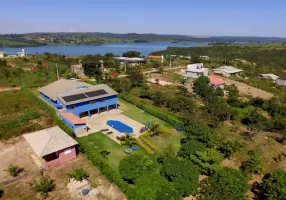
(281, 82)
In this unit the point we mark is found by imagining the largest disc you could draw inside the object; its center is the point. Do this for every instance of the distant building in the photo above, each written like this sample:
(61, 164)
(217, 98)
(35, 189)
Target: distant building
(227, 71)
(196, 70)
(281, 81)
(205, 57)
(216, 82)
(53, 146)
(153, 57)
(77, 69)
(272, 77)
(130, 61)
(240, 60)
(34, 67)
(2, 54)
(21, 53)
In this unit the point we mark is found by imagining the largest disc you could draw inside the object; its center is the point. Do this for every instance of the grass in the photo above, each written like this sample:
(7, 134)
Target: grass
(164, 140)
(105, 143)
(137, 114)
(19, 115)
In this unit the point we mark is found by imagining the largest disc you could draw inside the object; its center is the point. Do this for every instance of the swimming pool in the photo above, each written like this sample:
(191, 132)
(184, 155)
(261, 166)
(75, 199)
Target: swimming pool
(120, 126)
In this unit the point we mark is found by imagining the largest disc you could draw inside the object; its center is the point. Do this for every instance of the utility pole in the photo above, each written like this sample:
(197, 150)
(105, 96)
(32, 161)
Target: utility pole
(57, 71)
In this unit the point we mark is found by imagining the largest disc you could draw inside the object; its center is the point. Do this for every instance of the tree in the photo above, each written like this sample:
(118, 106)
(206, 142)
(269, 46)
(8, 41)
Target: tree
(227, 184)
(273, 186)
(189, 146)
(135, 165)
(168, 152)
(158, 98)
(152, 186)
(93, 69)
(201, 86)
(154, 129)
(219, 92)
(121, 84)
(210, 156)
(109, 55)
(131, 54)
(78, 174)
(137, 79)
(43, 186)
(196, 59)
(253, 165)
(183, 174)
(233, 95)
(128, 139)
(229, 147)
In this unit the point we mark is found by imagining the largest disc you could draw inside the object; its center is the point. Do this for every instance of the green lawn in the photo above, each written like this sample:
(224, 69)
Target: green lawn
(139, 115)
(105, 143)
(166, 139)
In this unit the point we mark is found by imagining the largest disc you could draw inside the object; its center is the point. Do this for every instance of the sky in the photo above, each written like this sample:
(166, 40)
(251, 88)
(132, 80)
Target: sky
(185, 17)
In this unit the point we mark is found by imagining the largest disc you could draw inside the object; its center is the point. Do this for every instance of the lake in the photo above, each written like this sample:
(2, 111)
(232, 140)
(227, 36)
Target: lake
(115, 48)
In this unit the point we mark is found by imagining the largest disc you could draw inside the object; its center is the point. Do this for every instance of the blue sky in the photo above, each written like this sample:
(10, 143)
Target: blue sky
(187, 17)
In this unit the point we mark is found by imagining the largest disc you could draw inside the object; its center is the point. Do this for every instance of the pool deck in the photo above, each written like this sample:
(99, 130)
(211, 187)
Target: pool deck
(98, 122)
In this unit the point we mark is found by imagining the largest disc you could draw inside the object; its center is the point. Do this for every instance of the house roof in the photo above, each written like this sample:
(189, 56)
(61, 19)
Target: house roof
(270, 76)
(49, 141)
(214, 80)
(60, 86)
(107, 91)
(228, 69)
(154, 57)
(127, 59)
(197, 67)
(73, 118)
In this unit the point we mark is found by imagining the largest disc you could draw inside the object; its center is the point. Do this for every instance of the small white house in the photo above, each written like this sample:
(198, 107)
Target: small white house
(205, 57)
(2, 54)
(21, 53)
(227, 71)
(281, 81)
(196, 70)
(272, 77)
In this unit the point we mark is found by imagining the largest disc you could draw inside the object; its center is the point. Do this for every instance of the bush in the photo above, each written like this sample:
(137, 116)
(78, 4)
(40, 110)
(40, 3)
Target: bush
(253, 165)
(44, 186)
(189, 147)
(78, 174)
(228, 147)
(13, 170)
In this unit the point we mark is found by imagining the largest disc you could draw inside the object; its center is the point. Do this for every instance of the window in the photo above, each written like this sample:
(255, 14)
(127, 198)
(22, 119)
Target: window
(92, 102)
(71, 107)
(67, 151)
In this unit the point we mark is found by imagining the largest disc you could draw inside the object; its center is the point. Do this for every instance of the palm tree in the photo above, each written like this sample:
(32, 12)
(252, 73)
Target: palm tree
(128, 139)
(154, 129)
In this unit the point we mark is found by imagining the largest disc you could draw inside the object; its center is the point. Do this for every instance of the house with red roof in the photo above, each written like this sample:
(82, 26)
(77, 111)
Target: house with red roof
(216, 81)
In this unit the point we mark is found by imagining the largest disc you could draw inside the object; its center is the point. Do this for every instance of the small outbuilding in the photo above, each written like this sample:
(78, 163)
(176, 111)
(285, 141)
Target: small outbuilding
(281, 81)
(272, 77)
(52, 145)
(216, 82)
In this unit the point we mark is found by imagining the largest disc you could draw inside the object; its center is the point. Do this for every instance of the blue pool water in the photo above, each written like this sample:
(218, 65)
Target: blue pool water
(120, 126)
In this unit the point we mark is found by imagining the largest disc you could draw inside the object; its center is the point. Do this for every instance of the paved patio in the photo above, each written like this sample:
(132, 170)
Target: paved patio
(98, 122)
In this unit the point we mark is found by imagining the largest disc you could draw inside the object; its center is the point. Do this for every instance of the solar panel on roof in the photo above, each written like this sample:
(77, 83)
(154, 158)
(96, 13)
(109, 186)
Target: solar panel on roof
(96, 93)
(74, 97)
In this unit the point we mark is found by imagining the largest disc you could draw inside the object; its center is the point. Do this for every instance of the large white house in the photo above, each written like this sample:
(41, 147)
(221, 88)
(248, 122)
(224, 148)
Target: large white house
(196, 70)
(227, 71)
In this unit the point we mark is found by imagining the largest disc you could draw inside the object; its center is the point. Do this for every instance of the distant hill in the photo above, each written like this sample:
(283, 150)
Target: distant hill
(95, 38)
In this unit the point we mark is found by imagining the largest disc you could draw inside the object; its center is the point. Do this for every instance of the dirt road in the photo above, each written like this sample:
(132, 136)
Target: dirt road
(245, 89)
(9, 88)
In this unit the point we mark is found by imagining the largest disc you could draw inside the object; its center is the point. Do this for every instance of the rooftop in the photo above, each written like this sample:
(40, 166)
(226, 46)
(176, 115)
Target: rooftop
(229, 69)
(86, 94)
(123, 59)
(49, 140)
(60, 86)
(214, 80)
(73, 118)
(196, 67)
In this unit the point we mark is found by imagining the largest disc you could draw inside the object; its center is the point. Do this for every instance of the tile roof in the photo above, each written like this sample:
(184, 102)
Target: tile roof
(73, 118)
(49, 141)
(214, 80)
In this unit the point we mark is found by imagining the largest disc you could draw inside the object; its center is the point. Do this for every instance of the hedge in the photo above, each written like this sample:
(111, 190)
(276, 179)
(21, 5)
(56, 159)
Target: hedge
(163, 115)
(113, 176)
(51, 111)
(147, 149)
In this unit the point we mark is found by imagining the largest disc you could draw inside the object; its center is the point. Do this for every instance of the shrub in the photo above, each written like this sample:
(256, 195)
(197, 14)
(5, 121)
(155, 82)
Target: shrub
(253, 165)
(228, 147)
(13, 170)
(78, 174)
(44, 186)
(189, 147)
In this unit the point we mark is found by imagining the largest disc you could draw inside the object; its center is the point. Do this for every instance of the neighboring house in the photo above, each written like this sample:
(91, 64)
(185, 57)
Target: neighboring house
(21, 53)
(77, 69)
(205, 57)
(281, 81)
(2, 54)
(216, 82)
(52, 145)
(227, 71)
(32, 68)
(159, 58)
(196, 70)
(272, 77)
(81, 99)
(130, 61)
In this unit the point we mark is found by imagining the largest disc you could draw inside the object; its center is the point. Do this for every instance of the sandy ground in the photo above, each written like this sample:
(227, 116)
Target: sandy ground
(245, 89)
(10, 88)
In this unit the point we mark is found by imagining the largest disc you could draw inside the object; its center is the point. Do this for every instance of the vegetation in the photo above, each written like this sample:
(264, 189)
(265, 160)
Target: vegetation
(13, 170)
(253, 165)
(44, 185)
(78, 174)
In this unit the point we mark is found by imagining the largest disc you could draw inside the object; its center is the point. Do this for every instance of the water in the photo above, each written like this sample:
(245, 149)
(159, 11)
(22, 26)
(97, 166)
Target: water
(115, 48)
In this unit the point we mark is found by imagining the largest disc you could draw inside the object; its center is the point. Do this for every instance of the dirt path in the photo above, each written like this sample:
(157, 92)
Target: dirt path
(9, 88)
(245, 89)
